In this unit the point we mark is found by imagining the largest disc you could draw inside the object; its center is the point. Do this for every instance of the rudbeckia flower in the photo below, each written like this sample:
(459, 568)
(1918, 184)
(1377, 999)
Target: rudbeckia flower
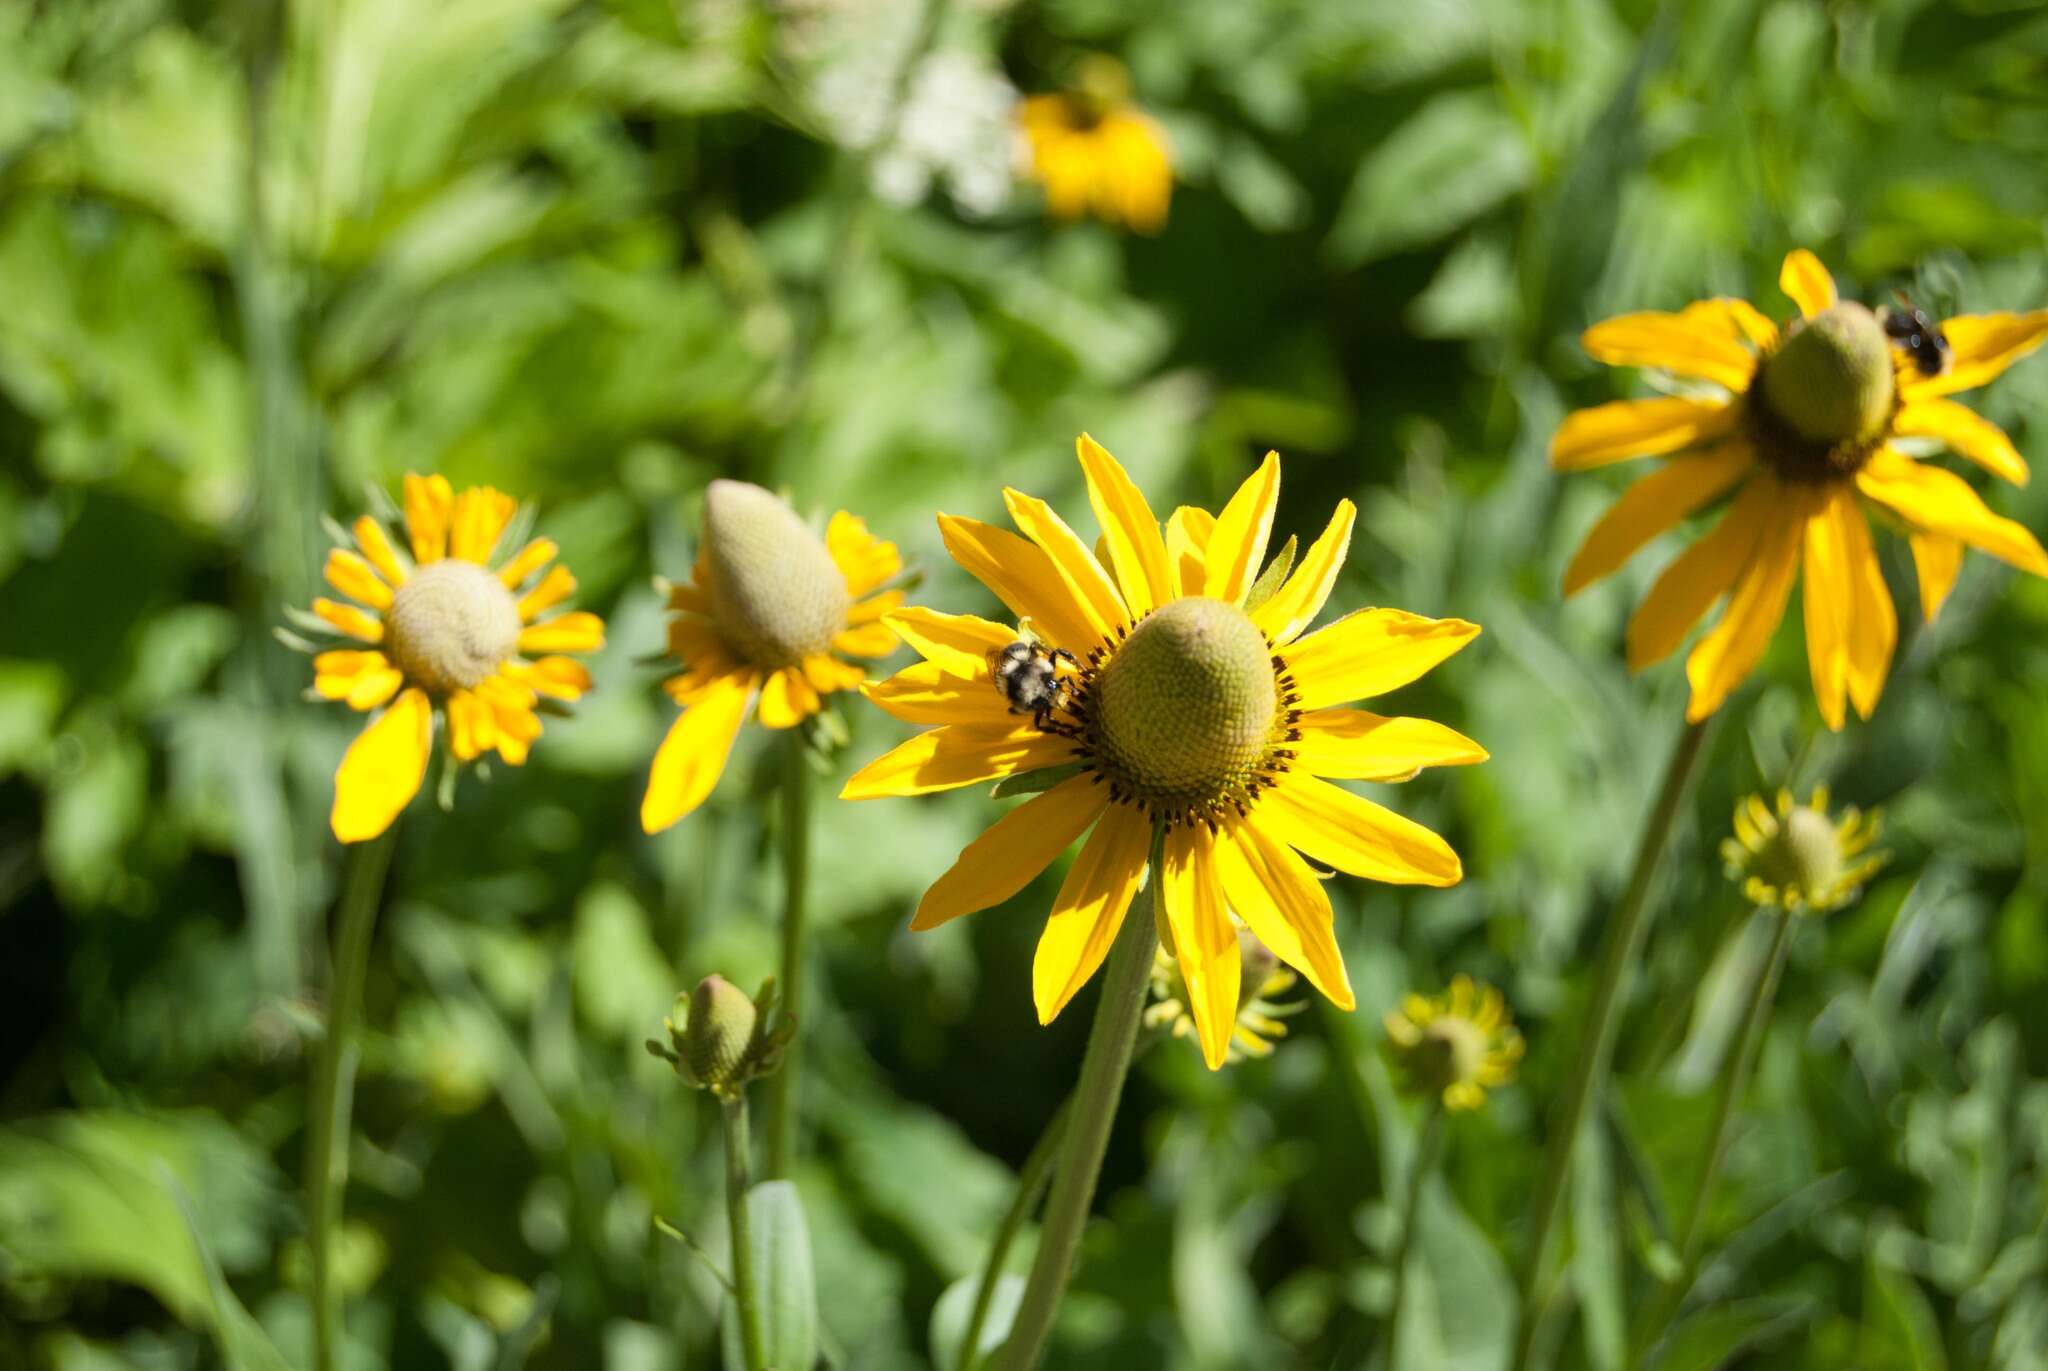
(1455, 1046)
(1188, 697)
(1797, 857)
(1806, 426)
(448, 633)
(1095, 151)
(761, 626)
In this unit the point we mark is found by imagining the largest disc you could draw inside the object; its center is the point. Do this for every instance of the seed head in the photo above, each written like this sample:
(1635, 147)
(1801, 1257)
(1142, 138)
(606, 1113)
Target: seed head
(777, 596)
(450, 626)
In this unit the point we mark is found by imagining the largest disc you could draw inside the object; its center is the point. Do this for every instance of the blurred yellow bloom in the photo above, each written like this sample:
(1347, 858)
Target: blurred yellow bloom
(1456, 1046)
(1259, 1012)
(450, 622)
(1801, 424)
(1798, 859)
(1193, 705)
(1095, 151)
(759, 626)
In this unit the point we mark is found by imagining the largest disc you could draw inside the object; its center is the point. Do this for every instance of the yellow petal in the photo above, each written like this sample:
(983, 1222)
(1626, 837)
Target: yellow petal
(691, 757)
(1874, 620)
(382, 769)
(1966, 432)
(1690, 344)
(929, 694)
(1090, 588)
(1137, 552)
(555, 587)
(1295, 605)
(471, 729)
(1332, 826)
(526, 561)
(480, 515)
(1636, 428)
(1234, 552)
(335, 673)
(828, 674)
(1014, 849)
(1935, 500)
(1188, 531)
(579, 631)
(376, 545)
(372, 689)
(954, 755)
(1723, 659)
(1090, 908)
(1937, 560)
(1828, 600)
(1204, 942)
(868, 640)
(786, 699)
(1652, 505)
(863, 559)
(1699, 576)
(1288, 910)
(1353, 745)
(957, 643)
(1019, 574)
(350, 620)
(428, 500)
(560, 678)
(1370, 652)
(1742, 317)
(1980, 347)
(874, 607)
(1807, 282)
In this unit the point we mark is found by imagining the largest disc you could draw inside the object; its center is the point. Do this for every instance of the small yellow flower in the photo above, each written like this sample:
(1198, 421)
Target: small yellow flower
(447, 630)
(767, 609)
(1802, 424)
(1093, 150)
(1798, 859)
(1259, 1011)
(1456, 1046)
(1190, 706)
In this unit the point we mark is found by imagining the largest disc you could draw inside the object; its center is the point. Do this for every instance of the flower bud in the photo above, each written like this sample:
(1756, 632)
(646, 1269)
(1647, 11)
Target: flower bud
(776, 595)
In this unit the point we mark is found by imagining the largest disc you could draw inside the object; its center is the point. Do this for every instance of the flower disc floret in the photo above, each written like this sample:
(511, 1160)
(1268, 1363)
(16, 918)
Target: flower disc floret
(776, 594)
(451, 626)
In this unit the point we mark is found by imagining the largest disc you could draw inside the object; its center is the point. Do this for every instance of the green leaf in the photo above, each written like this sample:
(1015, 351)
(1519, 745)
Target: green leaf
(956, 1306)
(1596, 1250)
(1271, 579)
(783, 1283)
(1707, 1340)
(1452, 161)
(244, 1346)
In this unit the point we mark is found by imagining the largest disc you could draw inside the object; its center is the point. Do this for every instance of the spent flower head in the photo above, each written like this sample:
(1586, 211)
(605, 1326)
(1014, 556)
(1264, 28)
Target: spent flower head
(1169, 688)
(1797, 857)
(451, 622)
(1096, 152)
(719, 1040)
(1455, 1046)
(1811, 428)
(763, 624)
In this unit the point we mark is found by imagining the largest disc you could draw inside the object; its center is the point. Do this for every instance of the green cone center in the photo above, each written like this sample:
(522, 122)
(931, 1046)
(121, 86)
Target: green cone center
(1830, 382)
(777, 596)
(1184, 709)
(1806, 854)
(450, 626)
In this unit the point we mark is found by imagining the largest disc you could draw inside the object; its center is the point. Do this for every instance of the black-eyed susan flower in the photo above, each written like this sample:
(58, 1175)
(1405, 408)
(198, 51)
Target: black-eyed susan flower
(1260, 1009)
(454, 631)
(761, 625)
(1096, 152)
(1455, 1046)
(1807, 426)
(1797, 857)
(1188, 704)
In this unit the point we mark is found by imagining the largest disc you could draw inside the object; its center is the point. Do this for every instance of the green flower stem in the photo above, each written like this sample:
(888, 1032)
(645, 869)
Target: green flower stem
(796, 864)
(1735, 1074)
(334, 1079)
(1103, 1070)
(1428, 1146)
(745, 1303)
(1030, 1184)
(1624, 936)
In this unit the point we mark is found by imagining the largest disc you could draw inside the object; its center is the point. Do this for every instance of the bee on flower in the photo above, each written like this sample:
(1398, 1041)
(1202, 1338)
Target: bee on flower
(1455, 1046)
(1095, 152)
(454, 627)
(1797, 857)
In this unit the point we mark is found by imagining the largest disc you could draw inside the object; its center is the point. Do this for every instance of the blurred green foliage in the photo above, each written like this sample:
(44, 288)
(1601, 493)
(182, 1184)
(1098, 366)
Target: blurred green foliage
(596, 252)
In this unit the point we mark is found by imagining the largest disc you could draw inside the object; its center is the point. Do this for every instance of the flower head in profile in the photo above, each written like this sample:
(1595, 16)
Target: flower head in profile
(1096, 152)
(1455, 1046)
(1169, 687)
(765, 623)
(1260, 1009)
(1796, 857)
(1807, 426)
(452, 628)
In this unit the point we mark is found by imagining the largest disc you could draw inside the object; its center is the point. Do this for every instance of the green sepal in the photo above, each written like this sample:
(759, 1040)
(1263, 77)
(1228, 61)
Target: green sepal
(1033, 782)
(1271, 579)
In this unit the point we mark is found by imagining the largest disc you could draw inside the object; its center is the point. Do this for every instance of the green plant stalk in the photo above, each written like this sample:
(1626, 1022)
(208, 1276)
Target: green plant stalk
(1624, 936)
(746, 1303)
(796, 863)
(1103, 1069)
(1428, 1144)
(1741, 1064)
(1031, 1182)
(334, 1082)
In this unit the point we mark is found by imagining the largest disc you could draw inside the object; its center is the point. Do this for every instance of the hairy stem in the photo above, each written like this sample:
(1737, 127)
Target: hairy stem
(796, 862)
(745, 1301)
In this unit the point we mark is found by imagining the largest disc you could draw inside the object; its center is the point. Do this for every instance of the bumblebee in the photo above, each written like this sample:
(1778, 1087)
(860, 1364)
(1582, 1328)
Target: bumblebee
(1035, 679)
(1921, 337)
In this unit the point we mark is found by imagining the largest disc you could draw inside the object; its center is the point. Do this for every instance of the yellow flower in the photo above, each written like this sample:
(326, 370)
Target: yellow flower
(1802, 425)
(1092, 149)
(758, 626)
(1190, 704)
(1458, 1045)
(1259, 1011)
(1796, 858)
(448, 630)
